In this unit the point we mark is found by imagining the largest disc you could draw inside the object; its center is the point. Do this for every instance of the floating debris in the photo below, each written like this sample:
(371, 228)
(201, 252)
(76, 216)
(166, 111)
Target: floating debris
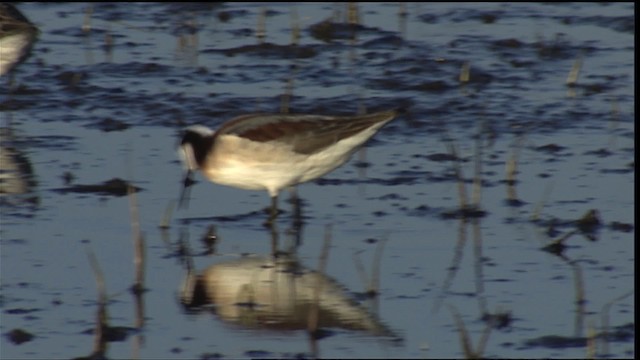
(113, 187)
(19, 336)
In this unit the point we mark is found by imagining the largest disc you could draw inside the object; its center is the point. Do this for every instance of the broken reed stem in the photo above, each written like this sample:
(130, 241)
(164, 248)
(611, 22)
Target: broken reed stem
(402, 9)
(465, 73)
(295, 27)
(261, 25)
(572, 78)
(99, 277)
(353, 14)
(166, 219)
(510, 176)
(86, 23)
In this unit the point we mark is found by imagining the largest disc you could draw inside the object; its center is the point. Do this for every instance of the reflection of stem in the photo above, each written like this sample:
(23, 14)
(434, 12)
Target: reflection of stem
(322, 263)
(377, 258)
(138, 339)
(373, 283)
(512, 169)
(139, 262)
(580, 294)
(604, 315)
(362, 170)
(462, 191)
(313, 319)
(374, 286)
(477, 247)
(580, 298)
(482, 343)
(467, 348)
(464, 335)
(138, 242)
(591, 341)
(535, 215)
(477, 178)
(455, 263)
(361, 271)
(99, 340)
(285, 103)
(613, 124)
(108, 44)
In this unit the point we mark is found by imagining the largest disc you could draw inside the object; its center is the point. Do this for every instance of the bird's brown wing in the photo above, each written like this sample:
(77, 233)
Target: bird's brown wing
(306, 134)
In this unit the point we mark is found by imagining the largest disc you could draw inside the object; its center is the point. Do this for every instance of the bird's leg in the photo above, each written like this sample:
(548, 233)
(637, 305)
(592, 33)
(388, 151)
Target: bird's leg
(293, 192)
(273, 212)
(274, 240)
(296, 223)
(297, 207)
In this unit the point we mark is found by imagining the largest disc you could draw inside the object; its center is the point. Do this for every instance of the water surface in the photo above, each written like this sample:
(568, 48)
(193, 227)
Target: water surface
(108, 102)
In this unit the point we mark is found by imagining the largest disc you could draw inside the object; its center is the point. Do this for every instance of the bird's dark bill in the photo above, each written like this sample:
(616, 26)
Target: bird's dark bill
(186, 189)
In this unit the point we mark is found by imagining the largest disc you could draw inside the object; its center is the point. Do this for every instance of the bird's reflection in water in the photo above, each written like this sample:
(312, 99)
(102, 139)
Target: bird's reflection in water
(17, 179)
(276, 293)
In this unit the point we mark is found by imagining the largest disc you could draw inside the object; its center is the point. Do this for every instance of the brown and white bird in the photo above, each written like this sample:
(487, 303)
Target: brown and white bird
(273, 151)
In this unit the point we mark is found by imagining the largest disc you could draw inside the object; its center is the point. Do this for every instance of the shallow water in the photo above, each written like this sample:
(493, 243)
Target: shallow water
(108, 103)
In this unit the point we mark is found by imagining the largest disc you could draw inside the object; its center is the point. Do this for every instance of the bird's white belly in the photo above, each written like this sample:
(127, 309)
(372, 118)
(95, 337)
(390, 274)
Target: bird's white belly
(259, 166)
(256, 175)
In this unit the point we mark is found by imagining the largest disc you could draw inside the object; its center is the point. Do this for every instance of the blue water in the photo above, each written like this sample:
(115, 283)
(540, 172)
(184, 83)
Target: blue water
(156, 79)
